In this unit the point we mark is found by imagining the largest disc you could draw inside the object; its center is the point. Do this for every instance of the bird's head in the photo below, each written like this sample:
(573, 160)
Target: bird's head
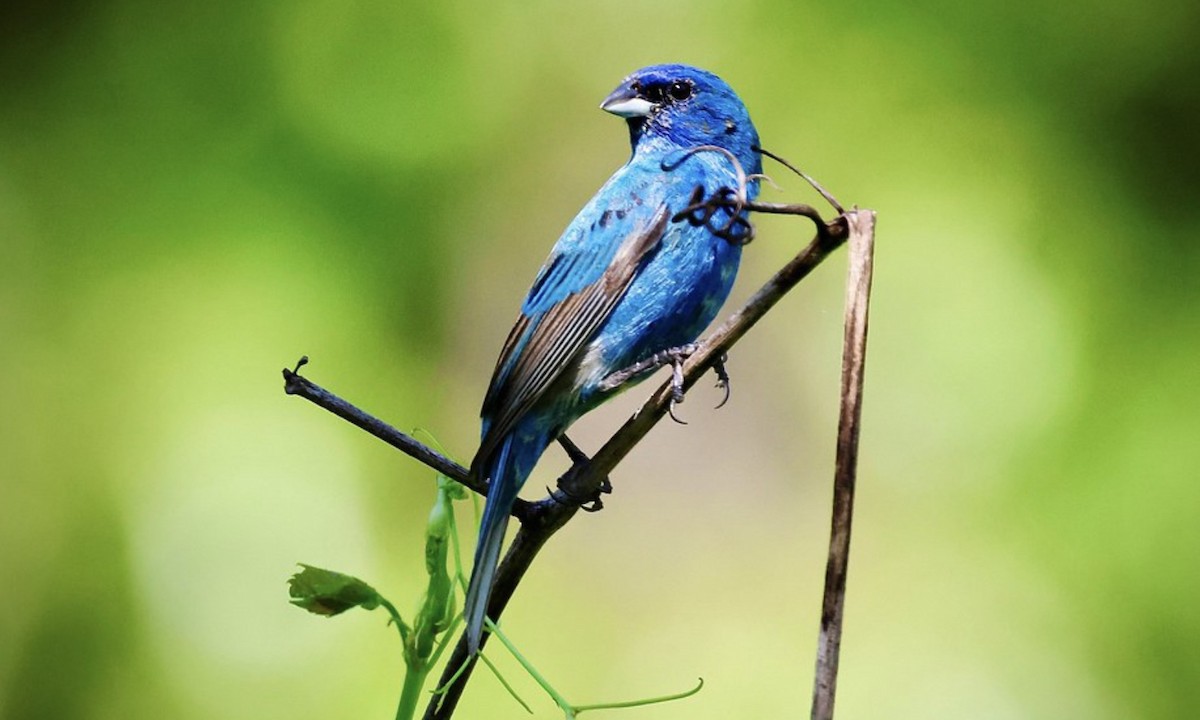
(687, 107)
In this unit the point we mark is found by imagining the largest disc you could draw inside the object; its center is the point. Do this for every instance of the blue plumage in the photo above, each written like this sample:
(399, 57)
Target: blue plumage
(623, 282)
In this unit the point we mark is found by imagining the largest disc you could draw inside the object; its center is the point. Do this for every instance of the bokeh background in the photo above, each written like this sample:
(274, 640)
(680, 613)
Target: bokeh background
(193, 195)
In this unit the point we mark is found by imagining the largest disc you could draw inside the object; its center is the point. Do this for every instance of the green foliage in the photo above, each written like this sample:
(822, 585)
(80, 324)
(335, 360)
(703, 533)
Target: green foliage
(329, 593)
(325, 592)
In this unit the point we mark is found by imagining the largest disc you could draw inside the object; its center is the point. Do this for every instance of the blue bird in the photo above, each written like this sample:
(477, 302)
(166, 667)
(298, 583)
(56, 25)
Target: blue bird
(629, 281)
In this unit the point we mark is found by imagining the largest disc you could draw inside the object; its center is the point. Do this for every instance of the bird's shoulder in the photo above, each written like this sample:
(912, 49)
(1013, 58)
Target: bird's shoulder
(625, 206)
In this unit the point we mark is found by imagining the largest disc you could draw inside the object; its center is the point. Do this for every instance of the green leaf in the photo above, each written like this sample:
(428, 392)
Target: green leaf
(325, 592)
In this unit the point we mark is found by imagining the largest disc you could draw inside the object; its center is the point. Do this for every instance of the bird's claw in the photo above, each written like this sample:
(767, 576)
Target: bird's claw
(594, 503)
(591, 505)
(677, 394)
(722, 380)
(578, 459)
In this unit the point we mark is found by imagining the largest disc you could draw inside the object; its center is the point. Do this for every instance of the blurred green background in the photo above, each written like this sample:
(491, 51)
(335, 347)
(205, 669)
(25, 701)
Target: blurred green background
(193, 195)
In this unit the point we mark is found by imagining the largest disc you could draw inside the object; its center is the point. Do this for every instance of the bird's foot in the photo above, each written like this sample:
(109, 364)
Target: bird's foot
(579, 459)
(677, 392)
(675, 358)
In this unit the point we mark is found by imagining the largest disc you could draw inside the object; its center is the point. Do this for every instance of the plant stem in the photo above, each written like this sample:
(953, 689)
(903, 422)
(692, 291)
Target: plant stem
(410, 694)
(638, 703)
(507, 686)
(559, 700)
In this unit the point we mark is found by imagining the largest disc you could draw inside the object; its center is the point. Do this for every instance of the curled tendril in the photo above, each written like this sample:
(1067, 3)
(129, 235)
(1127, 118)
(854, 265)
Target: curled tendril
(816, 185)
(700, 211)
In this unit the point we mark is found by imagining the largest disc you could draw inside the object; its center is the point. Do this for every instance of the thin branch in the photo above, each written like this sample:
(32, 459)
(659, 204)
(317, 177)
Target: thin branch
(854, 351)
(295, 384)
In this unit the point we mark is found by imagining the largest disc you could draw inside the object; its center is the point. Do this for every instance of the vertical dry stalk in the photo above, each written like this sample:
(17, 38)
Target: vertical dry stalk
(861, 243)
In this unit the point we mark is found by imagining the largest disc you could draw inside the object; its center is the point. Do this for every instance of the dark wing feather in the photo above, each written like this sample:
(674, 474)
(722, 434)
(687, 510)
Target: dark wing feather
(557, 335)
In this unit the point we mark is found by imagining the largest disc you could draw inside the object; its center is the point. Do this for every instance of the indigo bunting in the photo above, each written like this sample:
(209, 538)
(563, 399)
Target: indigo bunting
(630, 280)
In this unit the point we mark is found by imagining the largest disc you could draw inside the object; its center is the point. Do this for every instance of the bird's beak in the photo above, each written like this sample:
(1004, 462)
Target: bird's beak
(625, 103)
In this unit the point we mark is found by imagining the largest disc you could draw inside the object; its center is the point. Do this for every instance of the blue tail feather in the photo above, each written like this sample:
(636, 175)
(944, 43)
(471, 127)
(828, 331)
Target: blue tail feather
(502, 493)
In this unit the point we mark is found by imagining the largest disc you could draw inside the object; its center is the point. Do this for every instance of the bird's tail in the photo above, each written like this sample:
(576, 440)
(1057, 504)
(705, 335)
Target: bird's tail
(506, 481)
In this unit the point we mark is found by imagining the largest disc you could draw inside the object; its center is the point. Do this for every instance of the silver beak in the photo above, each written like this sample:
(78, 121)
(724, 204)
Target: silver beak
(625, 103)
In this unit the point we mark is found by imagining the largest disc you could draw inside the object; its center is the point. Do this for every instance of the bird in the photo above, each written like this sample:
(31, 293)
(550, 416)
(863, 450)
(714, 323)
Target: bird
(634, 279)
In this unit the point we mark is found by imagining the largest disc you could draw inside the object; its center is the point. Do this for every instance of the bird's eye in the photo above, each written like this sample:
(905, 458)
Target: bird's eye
(654, 93)
(680, 90)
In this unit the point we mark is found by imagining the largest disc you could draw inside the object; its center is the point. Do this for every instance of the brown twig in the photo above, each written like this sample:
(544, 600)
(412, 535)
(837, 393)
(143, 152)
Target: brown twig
(854, 351)
(296, 384)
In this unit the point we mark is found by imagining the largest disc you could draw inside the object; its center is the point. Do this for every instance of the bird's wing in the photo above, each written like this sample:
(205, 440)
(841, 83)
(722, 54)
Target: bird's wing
(574, 293)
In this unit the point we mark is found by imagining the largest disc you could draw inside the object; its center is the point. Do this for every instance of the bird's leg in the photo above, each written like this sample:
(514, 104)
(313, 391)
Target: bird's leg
(671, 356)
(578, 460)
(572, 450)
